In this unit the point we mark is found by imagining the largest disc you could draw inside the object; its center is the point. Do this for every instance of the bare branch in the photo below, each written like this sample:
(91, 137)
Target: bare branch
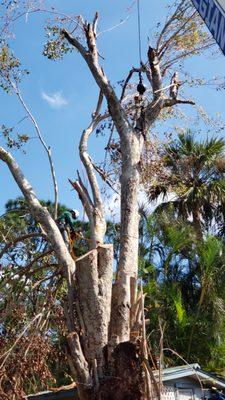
(47, 148)
(98, 108)
(7, 354)
(95, 23)
(113, 27)
(91, 58)
(94, 208)
(156, 73)
(85, 158)
(88, 207)
(128, 78)
(21, 239)
(85, 190)
(42, 216)
(173, 17)
(153, 109)
(172, 102)
(86, 201)
(75, 43)
(104, 177)
(40, 213)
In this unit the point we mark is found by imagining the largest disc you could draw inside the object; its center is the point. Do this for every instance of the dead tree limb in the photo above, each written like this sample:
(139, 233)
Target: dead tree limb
(173, 102)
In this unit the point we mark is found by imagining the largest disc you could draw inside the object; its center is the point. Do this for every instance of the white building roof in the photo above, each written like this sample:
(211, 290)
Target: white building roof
(194, 371)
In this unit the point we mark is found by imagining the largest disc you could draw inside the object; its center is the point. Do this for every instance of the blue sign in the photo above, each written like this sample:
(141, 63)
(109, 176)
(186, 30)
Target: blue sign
(213, 13)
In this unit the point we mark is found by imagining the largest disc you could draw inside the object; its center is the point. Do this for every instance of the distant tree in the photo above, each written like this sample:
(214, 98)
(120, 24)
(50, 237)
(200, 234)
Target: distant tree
(194, 176)
(32, 285)
(184, 286)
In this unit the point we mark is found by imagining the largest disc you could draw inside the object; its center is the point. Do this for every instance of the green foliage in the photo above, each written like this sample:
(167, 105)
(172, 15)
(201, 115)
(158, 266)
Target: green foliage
(56, 47)
(181, 314)
(31, 283)
(184, 283)
(10, 68)
(12, 142)
(194, 174)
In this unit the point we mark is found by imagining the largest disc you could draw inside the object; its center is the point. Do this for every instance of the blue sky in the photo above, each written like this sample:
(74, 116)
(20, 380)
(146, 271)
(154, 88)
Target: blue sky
(62, 94)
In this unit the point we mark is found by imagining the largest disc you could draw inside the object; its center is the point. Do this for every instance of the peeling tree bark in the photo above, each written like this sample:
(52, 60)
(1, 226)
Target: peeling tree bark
(94, 290)
(131, 147)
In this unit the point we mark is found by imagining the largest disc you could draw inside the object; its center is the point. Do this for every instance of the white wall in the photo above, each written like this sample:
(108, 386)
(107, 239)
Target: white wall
(188, 383)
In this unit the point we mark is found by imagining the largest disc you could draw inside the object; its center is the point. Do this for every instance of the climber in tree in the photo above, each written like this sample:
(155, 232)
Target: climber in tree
(66, 223)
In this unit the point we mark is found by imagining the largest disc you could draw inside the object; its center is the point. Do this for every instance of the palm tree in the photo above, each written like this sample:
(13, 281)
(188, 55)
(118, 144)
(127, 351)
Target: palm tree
(194, 173)
(211, 276)
(183, 279)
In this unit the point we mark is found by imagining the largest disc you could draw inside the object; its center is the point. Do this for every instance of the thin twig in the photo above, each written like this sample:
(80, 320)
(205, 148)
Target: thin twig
(21, 239)
(46, 147)
(113, 27)
(8, 352)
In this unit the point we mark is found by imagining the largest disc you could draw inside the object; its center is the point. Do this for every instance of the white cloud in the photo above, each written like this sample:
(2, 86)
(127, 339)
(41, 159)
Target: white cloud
(55, 100)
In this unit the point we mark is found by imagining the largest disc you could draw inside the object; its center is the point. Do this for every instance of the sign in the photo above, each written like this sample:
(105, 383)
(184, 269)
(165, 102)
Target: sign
(213, 13)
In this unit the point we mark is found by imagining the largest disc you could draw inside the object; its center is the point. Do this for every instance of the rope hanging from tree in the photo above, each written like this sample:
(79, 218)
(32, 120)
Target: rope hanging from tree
(140, 87)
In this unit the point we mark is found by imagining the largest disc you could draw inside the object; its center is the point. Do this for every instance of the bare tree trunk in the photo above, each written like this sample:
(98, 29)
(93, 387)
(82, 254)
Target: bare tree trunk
(94, 292)
(128, 261)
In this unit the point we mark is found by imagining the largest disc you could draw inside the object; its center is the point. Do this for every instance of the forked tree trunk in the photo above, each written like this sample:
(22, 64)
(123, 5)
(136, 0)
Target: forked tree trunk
(117, 372)
(106, 361)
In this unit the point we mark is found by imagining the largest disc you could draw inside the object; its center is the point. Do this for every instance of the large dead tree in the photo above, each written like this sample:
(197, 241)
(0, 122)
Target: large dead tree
(105, 317)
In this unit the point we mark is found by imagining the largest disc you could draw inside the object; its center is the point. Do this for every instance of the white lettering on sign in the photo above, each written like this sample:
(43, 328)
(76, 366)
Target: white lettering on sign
(213, 13)
(221, 34)
(203, 9)
(214, 26)
(210, 6)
